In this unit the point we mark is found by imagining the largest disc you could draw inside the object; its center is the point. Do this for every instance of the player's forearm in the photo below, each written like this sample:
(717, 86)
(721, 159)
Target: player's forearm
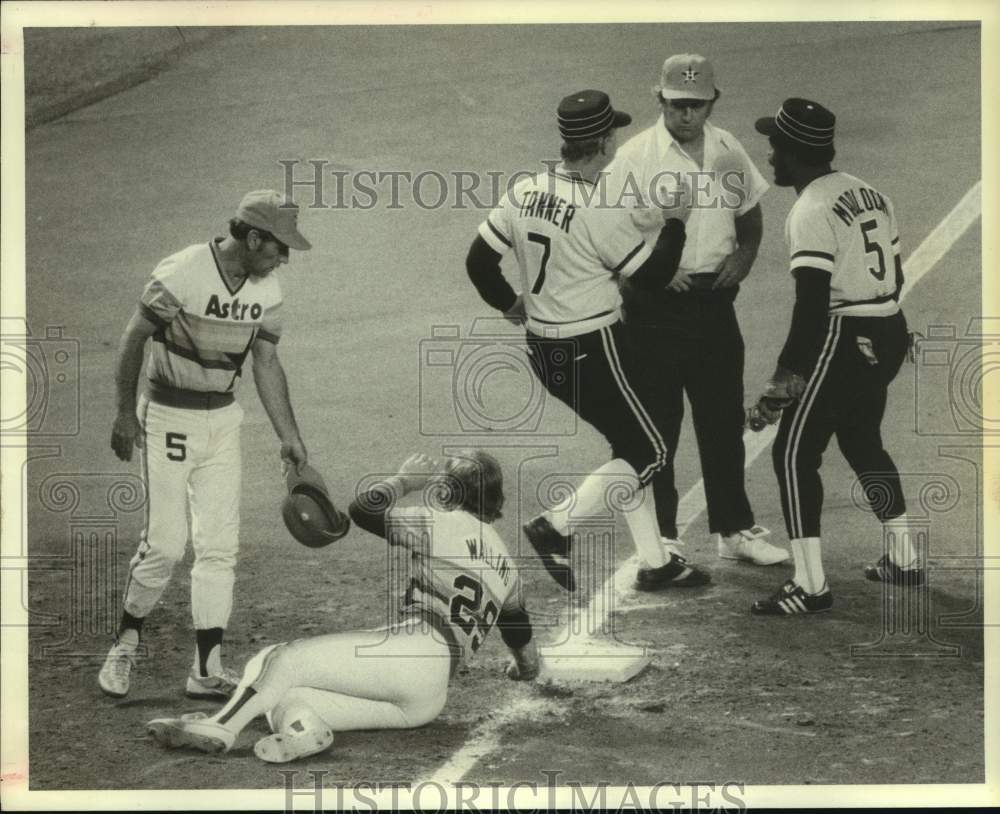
(665, 258)
(272, 387)
(370, 508)
(809, 321)
(127, 370)
(483, 267)
(128, 365)
(749, 230)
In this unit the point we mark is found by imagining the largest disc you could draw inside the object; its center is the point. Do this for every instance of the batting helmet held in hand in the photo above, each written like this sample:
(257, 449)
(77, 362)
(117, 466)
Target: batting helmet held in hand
(308, 512)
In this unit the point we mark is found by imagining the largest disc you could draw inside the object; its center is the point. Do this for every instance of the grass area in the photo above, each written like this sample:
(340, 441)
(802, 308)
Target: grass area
(69, 68)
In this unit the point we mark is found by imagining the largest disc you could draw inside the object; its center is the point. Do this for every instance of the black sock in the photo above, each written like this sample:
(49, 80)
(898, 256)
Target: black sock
(206, 639)
(130, 621)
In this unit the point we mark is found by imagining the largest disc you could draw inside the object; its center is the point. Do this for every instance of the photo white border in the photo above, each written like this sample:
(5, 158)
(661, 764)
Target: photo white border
(14, 633)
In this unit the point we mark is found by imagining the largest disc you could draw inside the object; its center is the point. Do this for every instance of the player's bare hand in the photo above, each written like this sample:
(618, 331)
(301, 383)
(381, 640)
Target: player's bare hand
(734, 268)
(126, 433)
(677, 202)
(516, 313)
(681, 281)
(416, 470)
(293, 453)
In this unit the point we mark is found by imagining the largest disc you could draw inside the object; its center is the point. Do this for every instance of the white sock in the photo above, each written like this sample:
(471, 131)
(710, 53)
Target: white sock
(128, 639)
(808, 564)
(902, 552)
(559, 516)
(645, 530)
(591, 499)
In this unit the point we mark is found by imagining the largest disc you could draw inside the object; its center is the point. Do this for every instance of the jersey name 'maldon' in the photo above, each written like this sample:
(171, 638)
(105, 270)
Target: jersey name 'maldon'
(232, 310)
(848, 207)
(548, 206)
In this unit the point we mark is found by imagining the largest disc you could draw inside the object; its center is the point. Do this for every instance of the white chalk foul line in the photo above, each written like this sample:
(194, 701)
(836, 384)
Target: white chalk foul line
(486, 738)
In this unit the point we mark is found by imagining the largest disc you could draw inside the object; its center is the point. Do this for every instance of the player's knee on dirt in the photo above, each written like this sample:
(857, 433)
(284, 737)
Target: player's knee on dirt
(424, 710)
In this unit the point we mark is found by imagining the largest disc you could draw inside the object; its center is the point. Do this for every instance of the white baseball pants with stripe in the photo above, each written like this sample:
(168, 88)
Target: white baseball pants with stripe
(191, 464)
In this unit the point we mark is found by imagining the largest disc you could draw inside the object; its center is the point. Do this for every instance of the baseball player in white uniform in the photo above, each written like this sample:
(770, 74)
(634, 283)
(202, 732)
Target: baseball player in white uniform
(572, 246)
(205, 308)
(846, 343)
(463, 583)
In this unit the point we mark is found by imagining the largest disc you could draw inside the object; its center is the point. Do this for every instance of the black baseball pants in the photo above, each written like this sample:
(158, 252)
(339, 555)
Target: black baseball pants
(845, 396)
(695, 346)
(595, 375)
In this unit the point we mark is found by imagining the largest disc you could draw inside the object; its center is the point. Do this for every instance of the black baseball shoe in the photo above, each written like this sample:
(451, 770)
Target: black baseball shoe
(553, 550)
(790, 599)
(675, 574)
(885, 570)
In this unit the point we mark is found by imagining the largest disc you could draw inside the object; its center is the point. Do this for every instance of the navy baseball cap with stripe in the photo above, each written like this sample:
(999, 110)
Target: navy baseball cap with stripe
(800, 124)
(588, 114)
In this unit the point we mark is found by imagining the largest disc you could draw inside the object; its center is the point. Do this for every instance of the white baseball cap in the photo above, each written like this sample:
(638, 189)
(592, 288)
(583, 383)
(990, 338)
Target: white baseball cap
(687, 76)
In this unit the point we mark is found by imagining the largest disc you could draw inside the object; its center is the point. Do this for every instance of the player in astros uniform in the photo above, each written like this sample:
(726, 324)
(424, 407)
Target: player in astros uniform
(846, 343)
(571, 248)
(463, 583)
(206, 309)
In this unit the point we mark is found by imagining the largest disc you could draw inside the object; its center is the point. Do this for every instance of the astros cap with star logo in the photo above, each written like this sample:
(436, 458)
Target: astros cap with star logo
(686, 76)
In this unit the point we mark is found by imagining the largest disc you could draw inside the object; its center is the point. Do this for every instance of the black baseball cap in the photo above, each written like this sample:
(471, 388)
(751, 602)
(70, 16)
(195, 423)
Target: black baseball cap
(800, 124)
(588, 114)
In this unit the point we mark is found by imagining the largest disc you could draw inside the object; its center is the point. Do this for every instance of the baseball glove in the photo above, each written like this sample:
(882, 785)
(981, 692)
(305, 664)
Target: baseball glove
(783, 388)
(308, 512)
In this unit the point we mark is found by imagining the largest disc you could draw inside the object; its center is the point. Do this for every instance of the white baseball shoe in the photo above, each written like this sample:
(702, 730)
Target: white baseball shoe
(115, 675)
(217, 685)
(749, 545)
(292, 745)
(192, 731)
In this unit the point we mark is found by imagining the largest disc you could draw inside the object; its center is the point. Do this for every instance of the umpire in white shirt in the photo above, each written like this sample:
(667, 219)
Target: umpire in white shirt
(688, 333)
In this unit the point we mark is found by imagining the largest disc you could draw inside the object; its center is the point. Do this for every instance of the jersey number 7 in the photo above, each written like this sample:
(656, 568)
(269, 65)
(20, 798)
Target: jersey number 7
(546, 245)
(873, 246)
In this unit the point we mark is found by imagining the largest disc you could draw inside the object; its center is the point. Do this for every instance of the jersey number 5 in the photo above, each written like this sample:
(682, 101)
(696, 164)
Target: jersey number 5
(873, 246)
(465, 610)
(546, 245)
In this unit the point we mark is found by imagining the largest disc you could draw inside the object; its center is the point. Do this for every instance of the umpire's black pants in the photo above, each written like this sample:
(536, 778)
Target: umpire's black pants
(695, 345)
(595, 375)
(845, 396)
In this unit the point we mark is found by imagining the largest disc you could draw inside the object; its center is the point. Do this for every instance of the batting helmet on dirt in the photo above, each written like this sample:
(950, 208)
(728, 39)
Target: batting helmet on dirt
(308, 512)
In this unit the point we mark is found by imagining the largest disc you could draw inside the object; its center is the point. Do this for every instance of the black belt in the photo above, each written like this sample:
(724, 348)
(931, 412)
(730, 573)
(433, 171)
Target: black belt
(188, 399)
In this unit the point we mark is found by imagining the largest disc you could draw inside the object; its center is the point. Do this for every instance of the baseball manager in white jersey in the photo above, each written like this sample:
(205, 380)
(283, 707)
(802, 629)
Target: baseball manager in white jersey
(572, 247)
(686, 332)
(206, 309)
(847, 340)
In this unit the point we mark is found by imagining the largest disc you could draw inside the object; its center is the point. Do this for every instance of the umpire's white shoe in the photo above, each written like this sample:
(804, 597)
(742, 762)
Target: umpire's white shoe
(287, 746)
(749, 545)
(116, 673)
(217, 685)
(191, 732)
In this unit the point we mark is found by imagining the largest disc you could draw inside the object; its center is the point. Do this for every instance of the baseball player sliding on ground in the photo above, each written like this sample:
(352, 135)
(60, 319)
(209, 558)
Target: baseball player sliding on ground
(463, 582)
(206, 308)
(846, 343)
(572, 245)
